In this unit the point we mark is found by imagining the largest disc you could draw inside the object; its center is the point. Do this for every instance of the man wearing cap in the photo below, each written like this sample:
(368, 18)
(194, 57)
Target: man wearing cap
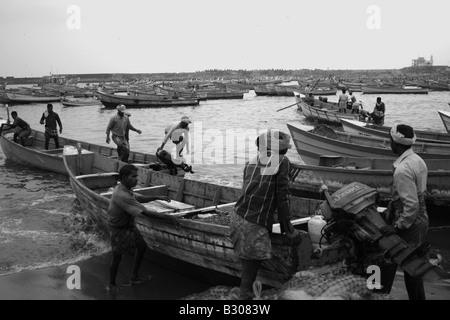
(178, 132)
(407, 208)
(264, 191)
(117, 125)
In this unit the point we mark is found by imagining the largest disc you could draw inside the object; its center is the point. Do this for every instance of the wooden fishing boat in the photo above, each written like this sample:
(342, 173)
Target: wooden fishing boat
(80, 102)
(113, 100)
(373, 130)
(23, 98)
(200, 242)
(324, 115)
(338, 171)
(33, 153)
(445, 117)
(311, 143)
(393, 90)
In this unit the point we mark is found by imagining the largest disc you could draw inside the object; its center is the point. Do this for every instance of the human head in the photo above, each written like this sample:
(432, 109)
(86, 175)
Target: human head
(343, 90)
(378, 99)
(14, 114)
(49, 107)
(273, 140)
(121, 109)
(185, 121)
(402, 137)
(128, 176)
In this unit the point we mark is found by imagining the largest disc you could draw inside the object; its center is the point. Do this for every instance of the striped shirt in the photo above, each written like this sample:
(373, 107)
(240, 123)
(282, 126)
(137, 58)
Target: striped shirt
(410, 184)
(265, 190)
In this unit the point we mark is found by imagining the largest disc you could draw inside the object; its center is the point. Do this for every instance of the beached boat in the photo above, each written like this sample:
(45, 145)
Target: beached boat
(33, 153)
(324, 115)
(200, 242)
(113, 100)
(394, 90)
(311, 143)
(24, 98)
(445, 117)
(373, 130)
(338, 171)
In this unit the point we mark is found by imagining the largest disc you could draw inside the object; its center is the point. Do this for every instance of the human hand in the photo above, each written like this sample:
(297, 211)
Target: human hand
(139, 131)
(108, 139)
(60, 130)
(159, 148)
(294, 237)
(388, 230)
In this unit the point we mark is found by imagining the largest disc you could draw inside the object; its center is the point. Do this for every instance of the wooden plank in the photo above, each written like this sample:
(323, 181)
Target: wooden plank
(97, 175)
(180, 191)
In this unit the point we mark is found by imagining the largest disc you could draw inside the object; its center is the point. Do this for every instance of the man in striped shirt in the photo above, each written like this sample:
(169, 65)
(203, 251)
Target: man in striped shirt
(265, 190)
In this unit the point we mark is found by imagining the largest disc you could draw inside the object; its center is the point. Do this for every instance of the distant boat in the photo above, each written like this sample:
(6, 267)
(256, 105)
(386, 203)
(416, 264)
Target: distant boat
(373, 130)
(113, 100)
(394, 90)
(311, 143)
(445, 117)
(324, 115)
(80, 103)
(25, 98)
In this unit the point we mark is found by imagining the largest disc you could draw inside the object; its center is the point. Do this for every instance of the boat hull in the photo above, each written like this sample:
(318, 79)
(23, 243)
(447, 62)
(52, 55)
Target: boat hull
(202, 244)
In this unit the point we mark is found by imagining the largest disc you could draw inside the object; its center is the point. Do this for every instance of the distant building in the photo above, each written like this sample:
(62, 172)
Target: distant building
(421, 62)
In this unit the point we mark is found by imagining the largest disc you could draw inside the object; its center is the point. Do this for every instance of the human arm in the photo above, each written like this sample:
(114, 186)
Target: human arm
(161, 216)
(166, 138)
(108, 129)
(282, 198)
(42, 121)
(144, 199)
(59, 123)
(405, 186)
(130, 126)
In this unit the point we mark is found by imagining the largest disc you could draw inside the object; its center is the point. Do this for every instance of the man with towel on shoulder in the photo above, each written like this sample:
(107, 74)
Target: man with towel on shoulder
(407, 209)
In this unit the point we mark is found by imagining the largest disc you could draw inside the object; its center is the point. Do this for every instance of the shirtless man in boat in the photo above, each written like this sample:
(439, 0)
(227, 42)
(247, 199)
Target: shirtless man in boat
(22, 128)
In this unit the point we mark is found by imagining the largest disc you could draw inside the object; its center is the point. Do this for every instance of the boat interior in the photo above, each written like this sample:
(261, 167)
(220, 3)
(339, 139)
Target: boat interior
(188, 197)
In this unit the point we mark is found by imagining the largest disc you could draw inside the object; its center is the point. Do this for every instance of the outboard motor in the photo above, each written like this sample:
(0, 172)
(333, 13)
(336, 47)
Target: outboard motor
(352, 211)
(166, 158)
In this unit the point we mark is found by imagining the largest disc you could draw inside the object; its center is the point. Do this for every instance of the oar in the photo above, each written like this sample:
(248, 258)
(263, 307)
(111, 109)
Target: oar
(287, 107)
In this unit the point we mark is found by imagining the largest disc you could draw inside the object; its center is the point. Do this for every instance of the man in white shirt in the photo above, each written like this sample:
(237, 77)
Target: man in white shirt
(178, 132)
(408, 202)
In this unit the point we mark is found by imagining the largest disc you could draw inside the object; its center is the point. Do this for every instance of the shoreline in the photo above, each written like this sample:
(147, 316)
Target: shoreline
(162, 284)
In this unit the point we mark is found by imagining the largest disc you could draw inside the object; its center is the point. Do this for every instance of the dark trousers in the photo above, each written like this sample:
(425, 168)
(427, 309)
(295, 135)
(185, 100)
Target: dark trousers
(47, 140)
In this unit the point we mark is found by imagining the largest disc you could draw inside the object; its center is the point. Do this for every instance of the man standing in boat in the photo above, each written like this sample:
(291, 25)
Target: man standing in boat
(407, 213)
(123, 208)
(265, 190)
(342, 102)
(118, 125)
(51, 119)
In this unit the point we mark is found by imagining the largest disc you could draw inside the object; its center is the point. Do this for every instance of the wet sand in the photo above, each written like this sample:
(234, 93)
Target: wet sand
(162, 284)
(51, 283)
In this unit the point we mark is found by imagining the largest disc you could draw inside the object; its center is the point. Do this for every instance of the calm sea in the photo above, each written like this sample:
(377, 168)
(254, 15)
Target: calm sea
(42, 225)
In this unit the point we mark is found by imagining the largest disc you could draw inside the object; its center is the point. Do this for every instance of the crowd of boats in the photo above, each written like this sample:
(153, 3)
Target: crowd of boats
(149, 93)
(361, 153)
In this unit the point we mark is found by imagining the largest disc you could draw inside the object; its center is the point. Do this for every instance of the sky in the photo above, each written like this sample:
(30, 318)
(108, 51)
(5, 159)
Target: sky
(39, 37)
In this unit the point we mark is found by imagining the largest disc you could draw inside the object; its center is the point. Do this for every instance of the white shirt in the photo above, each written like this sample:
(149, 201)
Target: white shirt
(410, 179)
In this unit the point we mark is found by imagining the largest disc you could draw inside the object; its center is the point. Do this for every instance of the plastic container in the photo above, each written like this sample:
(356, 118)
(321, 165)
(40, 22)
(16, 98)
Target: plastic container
(315, 226)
